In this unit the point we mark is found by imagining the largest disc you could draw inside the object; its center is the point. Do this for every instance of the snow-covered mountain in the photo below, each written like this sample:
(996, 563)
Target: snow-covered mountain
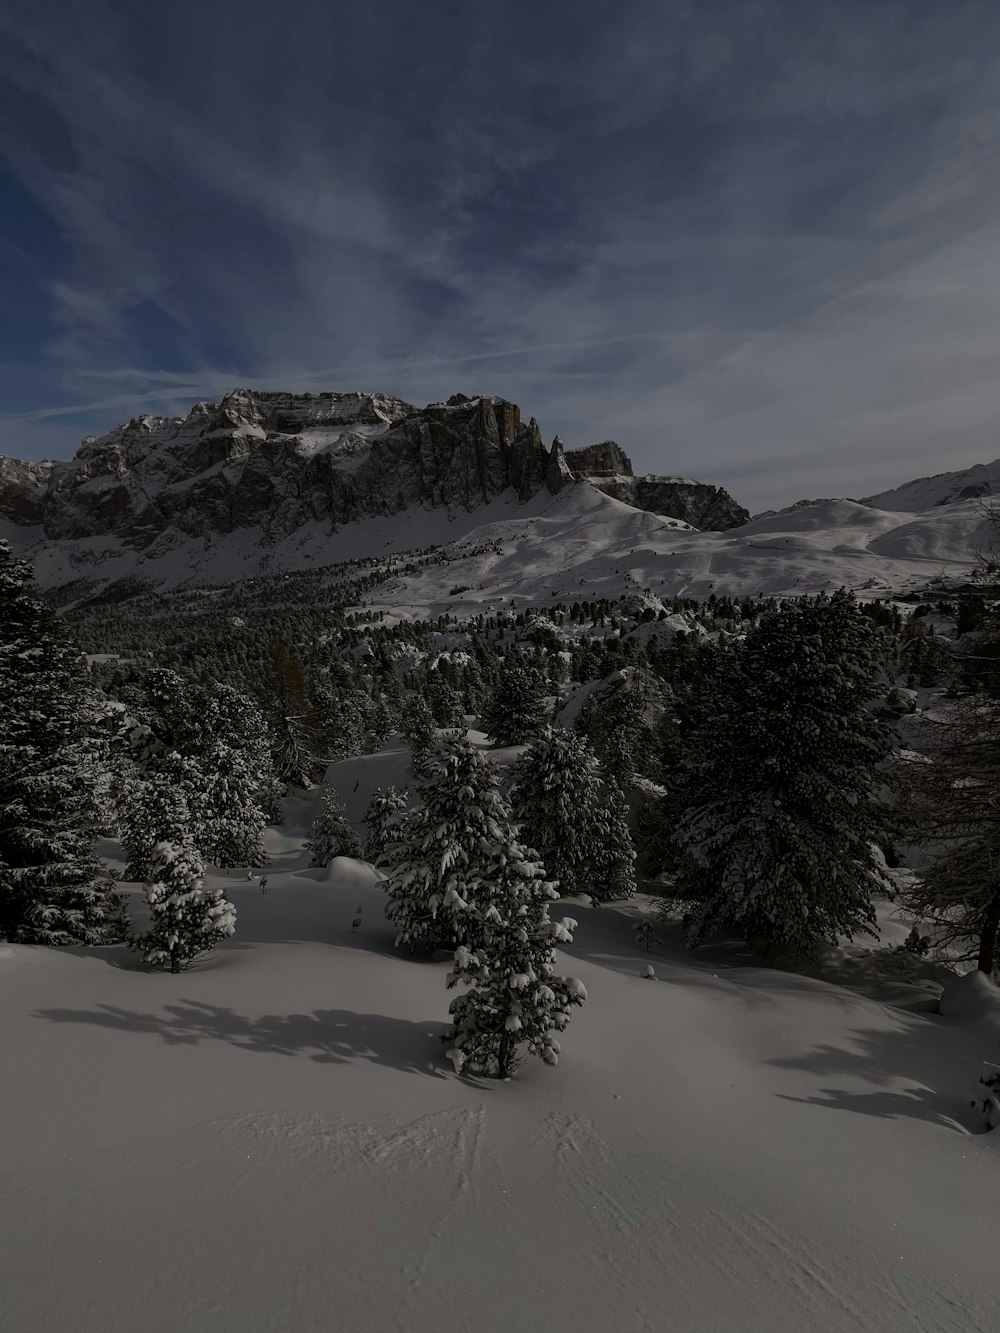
(942, 489)
(607, 466)
(266, 483)
(264, 468)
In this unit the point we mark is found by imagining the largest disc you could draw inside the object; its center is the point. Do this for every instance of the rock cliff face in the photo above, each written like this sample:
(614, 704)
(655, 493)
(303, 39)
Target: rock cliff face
(607, 467)
(276, 461)
(23, 489)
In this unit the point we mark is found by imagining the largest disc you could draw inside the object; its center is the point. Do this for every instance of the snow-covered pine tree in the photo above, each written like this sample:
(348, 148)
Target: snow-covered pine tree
(419, 729)
(187, 920)
(444, 702)
(229, 828)
(515, 711)
(614, 722)
(331, 833)
(517, 1000)
(573, 818)
(386, 802)
(778, 808)
(443, 861)
(52, 889)
(156, 807)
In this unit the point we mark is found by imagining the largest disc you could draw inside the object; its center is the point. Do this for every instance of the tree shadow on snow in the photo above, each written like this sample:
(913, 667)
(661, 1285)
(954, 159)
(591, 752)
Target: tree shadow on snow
(327, 1036)
(940, 1074)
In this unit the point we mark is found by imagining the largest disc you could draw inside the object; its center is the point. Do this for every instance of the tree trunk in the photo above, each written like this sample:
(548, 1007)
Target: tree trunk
(504, 1054)
(988, 938)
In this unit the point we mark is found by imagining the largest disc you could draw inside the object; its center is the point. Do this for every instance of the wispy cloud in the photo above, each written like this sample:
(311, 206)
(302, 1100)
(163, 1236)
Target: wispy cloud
(749, 241)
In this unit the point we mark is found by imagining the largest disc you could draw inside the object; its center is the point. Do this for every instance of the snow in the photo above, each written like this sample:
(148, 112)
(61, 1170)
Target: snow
(974, 999)
(577, 544)
(277, 1139)
(944, 488)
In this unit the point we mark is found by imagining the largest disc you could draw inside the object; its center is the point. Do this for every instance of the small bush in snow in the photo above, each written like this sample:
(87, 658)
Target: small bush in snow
(989, 1077)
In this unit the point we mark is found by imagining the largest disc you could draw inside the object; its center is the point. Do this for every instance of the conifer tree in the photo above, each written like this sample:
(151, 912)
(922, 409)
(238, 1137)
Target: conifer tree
(776, 792)
(385, 804)
(419, 730)
(156, 808)
(229, 827)
(52, 890)
(573, 818)
(950, 797)
(515, 711)
(331, 833)
(517, 1001)
(443, 861)
(187, 920)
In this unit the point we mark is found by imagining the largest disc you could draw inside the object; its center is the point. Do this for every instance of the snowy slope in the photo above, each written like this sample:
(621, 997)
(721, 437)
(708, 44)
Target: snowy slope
(578, 543)
(275, 1142)
(582, 544)
(945, 488)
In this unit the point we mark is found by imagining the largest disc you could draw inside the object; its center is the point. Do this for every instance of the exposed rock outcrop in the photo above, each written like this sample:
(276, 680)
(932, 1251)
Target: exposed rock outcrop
(277, 461)
(23, 488)
(607, 467)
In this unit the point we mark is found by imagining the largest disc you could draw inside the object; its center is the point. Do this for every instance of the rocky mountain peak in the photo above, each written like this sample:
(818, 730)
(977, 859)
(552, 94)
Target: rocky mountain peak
(608, 467)
(276, 462)
(607, 459)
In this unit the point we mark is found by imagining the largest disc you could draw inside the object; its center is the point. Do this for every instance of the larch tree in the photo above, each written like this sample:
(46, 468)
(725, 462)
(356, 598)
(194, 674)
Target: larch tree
(52, 889)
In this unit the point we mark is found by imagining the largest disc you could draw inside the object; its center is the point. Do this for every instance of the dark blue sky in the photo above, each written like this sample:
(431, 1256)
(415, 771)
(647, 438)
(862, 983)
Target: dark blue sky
(755, 241)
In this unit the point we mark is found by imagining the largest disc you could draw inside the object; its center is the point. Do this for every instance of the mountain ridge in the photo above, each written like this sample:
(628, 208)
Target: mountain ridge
(276, 461)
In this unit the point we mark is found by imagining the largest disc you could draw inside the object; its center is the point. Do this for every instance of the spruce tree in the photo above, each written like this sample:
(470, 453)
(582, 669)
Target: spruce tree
(331, 833)
(443, 861)
(515, 711)
(230, 822)
(776, 794)
(187, 920)
(419, 729)
(52, 890)
(573, 818)
(385, 804)
(517, 1000)
(156, 809)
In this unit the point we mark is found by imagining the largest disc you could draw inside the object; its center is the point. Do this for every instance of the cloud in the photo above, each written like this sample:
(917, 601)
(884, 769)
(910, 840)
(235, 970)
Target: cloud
(752, 242)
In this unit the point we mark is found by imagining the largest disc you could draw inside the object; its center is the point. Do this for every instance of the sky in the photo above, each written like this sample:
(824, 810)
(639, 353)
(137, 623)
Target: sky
(754, 241)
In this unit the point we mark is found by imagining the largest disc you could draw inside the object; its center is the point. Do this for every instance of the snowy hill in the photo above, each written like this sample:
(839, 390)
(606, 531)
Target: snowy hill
(943, 489)
(275, 1141)
(578, 543)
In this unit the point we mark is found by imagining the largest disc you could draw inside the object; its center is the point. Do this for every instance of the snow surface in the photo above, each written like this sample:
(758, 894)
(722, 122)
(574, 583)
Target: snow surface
(577, 544)
(275, 1141)
(944, 488)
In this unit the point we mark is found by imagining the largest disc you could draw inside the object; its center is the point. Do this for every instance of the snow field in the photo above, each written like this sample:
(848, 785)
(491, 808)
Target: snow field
(275, 1140)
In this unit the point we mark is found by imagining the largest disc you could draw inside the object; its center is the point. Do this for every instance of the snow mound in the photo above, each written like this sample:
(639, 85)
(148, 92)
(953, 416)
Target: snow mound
(974, 999)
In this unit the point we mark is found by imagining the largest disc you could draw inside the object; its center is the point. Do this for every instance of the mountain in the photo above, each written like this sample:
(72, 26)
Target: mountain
(607, 466)
(263, 484)
(915, 497)
(275, 461)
